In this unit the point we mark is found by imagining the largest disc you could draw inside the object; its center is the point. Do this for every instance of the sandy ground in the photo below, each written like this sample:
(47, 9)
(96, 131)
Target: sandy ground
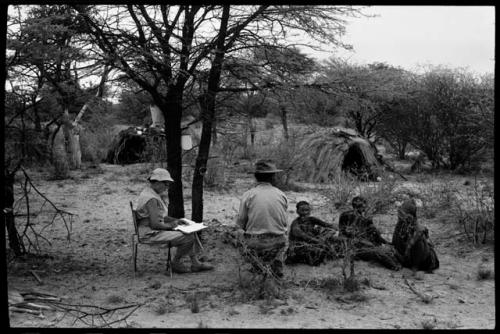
(94, 268)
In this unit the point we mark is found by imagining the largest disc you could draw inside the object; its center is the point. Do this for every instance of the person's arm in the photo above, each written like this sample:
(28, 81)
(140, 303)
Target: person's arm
(297, 232)
(373, 232)
(156, 220)
(242, 219)
(319, 222)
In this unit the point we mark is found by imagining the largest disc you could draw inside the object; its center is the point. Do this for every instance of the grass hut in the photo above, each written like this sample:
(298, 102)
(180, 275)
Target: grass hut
(329, 152)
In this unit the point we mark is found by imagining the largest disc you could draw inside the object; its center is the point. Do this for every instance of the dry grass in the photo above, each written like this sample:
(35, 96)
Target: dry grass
(428, 324)
(114, 299)
(484, 273)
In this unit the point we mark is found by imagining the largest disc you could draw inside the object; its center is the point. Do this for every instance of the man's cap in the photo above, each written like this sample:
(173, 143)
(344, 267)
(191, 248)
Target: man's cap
(160, 174)
(266, 166)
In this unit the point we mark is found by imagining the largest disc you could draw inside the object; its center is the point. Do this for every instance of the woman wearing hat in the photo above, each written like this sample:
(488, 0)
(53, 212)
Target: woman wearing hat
(262, 216)
(157, 226)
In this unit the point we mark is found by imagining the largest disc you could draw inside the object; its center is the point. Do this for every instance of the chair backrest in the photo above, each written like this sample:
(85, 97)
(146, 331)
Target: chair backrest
(134, 218)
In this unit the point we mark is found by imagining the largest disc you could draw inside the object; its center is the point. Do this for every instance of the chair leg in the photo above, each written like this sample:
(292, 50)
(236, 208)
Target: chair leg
(134, 254)
(169, 261)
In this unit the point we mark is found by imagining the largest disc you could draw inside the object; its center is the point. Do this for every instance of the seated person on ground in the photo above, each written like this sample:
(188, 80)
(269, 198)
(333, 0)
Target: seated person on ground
(368, 243)
(263, 221)
(311, 240)
(156, 226)
(411, 240)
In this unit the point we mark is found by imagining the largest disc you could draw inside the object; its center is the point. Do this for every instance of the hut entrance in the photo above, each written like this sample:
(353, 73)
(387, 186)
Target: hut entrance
(355, 163)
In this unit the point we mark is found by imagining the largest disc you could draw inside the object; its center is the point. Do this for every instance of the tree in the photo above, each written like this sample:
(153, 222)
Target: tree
(453, 121)
(163, 47)
(49, 59)
(360, 89)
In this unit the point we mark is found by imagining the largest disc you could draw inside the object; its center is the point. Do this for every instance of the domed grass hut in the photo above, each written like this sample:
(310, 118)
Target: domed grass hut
(330, 152)
(136, 144)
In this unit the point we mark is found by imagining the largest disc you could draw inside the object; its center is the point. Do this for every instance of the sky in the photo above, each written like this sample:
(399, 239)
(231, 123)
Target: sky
(413, 36)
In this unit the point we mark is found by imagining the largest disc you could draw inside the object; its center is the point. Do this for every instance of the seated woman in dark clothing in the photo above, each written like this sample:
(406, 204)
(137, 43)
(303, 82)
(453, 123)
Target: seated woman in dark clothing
(365, 238)
(411, 240)
(311, 240)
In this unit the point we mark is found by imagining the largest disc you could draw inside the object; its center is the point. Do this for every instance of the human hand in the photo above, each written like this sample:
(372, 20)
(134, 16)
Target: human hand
(182, 221)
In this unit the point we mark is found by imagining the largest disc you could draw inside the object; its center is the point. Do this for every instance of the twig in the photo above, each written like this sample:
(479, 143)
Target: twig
(27, 186)
(24, 310)
(36, 276)
(425, 298)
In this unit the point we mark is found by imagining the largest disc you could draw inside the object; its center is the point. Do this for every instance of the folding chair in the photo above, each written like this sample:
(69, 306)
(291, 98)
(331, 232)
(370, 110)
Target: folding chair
(136, 240)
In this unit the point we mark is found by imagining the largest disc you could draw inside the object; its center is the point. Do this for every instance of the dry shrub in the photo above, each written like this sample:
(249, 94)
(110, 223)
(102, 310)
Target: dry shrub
(215, 173)
(351, 284)
(60, 168)
(330, 283)
(229, 144)
(341, 191)
(428, 324)
(379, 195)
(95, 143)
(162, 307)
(439, 197)
(474, 211)
(484, 273)
(284, 155)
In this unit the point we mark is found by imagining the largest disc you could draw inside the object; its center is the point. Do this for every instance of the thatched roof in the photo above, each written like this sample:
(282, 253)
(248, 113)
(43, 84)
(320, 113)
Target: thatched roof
(328, 152)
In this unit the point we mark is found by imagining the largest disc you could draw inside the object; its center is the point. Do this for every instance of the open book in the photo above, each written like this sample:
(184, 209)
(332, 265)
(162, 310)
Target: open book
(190, 227)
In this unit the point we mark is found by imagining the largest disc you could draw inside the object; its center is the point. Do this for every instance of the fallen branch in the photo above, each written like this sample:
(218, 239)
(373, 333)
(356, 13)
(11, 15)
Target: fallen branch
(24, 310)
(424, 297)
(36, 276)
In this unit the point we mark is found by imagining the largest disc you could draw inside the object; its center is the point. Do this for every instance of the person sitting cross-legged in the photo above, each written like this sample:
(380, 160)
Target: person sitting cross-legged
(156, 226)
(411, 240)
(311, 240)
(366, 240)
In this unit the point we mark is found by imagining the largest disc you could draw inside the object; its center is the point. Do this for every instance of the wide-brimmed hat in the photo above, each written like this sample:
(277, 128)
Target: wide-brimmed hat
(266, 166)
(160, 174)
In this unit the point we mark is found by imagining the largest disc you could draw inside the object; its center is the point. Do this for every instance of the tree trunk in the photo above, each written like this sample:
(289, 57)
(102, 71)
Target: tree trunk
(207, 103)
(72, 137)
(253, 129)
(214, 131)
(284, 121)
(58, 154)
(202, 158)
(15, 243)
(172, 112)
(402, 150)
(38, 122)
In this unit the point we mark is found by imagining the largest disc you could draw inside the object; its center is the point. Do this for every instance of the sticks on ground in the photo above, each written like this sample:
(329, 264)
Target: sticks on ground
(424, 297)
(91, 315)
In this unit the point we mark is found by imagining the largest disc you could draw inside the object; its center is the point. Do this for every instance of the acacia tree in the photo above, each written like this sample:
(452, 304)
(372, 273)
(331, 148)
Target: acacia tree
(48, 58)
(360, 89)
(162, 48)
(453, 119)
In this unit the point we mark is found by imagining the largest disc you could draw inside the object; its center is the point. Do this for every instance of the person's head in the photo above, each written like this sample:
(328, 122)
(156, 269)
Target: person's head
(359, 204)
(265, 170)
(160, 180)
(409, 207)
(303, 209)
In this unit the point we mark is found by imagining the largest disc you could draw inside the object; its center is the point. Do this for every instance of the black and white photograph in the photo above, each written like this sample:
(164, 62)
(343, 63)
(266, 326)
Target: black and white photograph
(232, 166)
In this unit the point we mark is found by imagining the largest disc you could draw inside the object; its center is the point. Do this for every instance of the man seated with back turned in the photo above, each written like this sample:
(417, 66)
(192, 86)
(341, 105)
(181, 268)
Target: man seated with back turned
(311, 240)
(156, 226)
(262, 217)
(368, 243)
